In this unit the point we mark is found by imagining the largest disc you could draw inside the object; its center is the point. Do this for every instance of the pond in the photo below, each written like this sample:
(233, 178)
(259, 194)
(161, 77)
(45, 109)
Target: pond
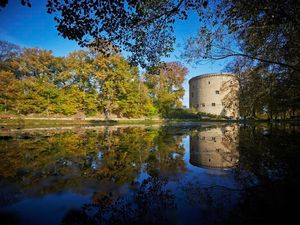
(207, 173)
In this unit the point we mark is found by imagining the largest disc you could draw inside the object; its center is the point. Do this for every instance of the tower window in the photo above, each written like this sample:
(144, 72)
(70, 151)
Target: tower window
(213, 104)
(208, 82)
(192, 94)
(203, 104)
(217, 92)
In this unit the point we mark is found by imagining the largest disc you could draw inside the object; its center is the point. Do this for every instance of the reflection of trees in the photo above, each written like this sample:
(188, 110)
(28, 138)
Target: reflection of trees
(124, 151)
(215, 147)
(276, 152)
(269, 173)
(48, 162)
(129, 171)
(151, 203)
(166, 154)
(213, 203)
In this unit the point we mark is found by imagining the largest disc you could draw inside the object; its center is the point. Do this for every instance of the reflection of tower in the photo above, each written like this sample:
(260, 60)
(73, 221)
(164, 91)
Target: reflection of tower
(215, 147)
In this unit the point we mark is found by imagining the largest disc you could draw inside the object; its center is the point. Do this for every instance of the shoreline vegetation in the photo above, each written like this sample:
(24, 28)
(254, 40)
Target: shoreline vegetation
(23, 121)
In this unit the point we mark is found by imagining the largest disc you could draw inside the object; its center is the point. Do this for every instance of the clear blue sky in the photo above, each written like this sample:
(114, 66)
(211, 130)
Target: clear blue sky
(33, 27)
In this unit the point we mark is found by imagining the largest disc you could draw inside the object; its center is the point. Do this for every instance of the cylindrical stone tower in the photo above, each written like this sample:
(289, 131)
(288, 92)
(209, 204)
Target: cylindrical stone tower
(215, 94)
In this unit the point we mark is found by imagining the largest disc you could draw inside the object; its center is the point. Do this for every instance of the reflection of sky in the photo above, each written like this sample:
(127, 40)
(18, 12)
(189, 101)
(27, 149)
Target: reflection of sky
(36, 211)
(33, 27)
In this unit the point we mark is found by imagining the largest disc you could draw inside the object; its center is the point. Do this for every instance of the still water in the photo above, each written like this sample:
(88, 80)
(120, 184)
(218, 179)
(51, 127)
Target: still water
(185, 174)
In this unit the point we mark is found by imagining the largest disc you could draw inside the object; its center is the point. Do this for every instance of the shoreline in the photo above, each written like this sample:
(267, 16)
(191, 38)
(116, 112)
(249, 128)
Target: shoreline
(25, 121)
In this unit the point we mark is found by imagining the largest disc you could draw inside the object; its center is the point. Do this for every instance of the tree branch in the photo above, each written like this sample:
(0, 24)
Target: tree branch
(167, 15)
(256, 58)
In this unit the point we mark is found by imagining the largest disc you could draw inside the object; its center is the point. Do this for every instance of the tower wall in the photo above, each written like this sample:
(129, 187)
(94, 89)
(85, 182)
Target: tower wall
(215, 94)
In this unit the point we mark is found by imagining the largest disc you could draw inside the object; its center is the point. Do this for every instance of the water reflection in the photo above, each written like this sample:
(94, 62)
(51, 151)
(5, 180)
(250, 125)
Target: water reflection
(215, 147)
(143, 175)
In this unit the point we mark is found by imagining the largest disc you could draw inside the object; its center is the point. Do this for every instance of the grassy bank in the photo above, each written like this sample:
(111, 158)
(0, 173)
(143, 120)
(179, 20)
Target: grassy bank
(19, 122)
(22, 122)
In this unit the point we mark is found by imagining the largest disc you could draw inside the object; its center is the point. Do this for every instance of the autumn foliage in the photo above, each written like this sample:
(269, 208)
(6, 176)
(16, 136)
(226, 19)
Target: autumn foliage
(34, 81)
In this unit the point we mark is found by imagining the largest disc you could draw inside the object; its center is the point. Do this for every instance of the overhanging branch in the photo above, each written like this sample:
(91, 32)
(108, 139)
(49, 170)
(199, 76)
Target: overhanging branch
(255, 58)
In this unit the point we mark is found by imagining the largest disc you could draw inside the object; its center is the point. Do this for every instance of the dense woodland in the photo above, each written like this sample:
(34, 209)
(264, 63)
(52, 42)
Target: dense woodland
(34, 81)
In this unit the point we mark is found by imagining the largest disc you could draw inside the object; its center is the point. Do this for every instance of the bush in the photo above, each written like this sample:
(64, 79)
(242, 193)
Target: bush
(183, 114)
(2, 108)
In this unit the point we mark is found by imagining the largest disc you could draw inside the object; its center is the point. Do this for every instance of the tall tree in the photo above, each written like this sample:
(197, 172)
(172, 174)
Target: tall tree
(165, 83)
(121, 91)
(78, 70)
(6, 80)
(34, 62)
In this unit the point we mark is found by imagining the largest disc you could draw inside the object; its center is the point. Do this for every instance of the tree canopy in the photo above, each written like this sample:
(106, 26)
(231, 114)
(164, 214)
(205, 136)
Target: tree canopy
(86, 83)
(142, 28)
(165, 83)
(265, 31)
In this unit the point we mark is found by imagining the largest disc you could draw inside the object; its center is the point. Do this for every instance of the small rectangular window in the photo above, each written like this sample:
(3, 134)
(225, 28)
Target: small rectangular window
(192, 94)
(217, 92)
(213, 104)
(203, 104)
(208, 82)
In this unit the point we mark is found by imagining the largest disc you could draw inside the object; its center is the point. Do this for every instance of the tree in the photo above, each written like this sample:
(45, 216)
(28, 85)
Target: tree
(142, 28)
(263, 31)
(263, 91)
(34, 62)
(29, 95)
(6, 80)
(121, 91)
(69, 101)
(78, 70)
(253, 87)
(8, 54)
(165, 83)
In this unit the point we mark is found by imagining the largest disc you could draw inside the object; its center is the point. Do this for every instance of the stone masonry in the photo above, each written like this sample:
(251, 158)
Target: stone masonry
(215, 94)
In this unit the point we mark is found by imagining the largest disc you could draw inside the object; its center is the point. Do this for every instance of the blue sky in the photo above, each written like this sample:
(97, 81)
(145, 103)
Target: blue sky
(33, 27)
